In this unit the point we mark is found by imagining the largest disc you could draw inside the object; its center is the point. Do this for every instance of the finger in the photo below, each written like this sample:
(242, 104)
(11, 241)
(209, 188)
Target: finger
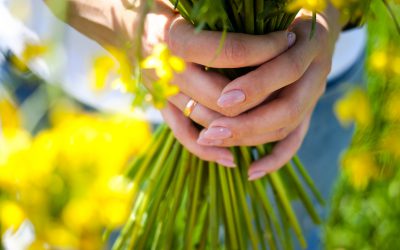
(282, 152)
(196, 83)
(252, 140)
(186, 133)
(239, 50)
(200, 114)
(286, 111)
(251, 89)
(203, 86)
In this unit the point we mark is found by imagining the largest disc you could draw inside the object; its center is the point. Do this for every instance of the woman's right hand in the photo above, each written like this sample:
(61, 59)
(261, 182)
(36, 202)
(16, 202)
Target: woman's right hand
(113, 23)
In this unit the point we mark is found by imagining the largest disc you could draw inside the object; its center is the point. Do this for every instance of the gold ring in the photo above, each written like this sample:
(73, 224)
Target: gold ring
(187, 111)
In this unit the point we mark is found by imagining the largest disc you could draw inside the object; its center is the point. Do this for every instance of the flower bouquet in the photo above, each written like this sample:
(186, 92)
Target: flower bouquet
(183, 202)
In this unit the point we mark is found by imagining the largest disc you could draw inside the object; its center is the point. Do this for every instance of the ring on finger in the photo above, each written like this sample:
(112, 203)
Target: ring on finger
(187, 111)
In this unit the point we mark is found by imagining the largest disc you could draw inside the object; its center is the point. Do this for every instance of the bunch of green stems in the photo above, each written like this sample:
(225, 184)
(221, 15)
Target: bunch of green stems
(183, 202)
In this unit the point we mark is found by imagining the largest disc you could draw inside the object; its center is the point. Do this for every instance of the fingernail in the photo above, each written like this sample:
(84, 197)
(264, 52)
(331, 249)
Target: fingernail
(291, 38)
(208, 142)
(231, 98)
(226, 162)
(215, 133)
(256, 175)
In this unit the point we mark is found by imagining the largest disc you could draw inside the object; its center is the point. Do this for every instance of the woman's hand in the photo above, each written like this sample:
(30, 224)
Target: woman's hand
(205, 87)
(265, 112)
(275, 101)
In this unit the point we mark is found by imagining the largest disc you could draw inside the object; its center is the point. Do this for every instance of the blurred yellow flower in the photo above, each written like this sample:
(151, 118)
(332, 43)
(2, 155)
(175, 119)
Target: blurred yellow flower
(14, 148)
(390, 141)
(81, 214)
(163, 62)
(379, 60)
(117, 66)
(360, 168)
(391, 109)
(102, 66)
(11, 215)
(30, 52)
(339, 4)
(59, 236)
(165, 65)
(9, 115)
(67, 179)
(115, 197)
(311, 5)
(396, 65)
(354, 107)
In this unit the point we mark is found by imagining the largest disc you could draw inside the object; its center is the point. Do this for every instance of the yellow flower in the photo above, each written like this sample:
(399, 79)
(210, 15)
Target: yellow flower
(114, 196)
(163, 62)
(390, 141)
(11, 215)
(104, 66)
(354, 107)
(81, 214)
(311, 5)
(30, 52)
(14, 158)
(379, 60)
(360, 168)
(67, 178)
(396, 66)
(9, 115)
(58, 235)
(391, 109)
(165, 65)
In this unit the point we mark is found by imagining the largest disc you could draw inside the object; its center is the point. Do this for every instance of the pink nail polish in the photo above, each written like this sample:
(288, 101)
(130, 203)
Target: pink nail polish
(256, 175)
(291, 38)
(226, 163)
(231, 98)
(215, 133)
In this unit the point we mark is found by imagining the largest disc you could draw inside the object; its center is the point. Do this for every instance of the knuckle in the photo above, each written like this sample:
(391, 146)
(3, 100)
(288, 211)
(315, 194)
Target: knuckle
(296, 67)
(198, 151)
(228, 112)
(281, 133)
(202, 155)
(294, 112)
(235, 49)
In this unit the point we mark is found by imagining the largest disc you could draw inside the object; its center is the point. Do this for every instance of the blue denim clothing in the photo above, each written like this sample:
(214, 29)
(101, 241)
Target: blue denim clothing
(323, 145)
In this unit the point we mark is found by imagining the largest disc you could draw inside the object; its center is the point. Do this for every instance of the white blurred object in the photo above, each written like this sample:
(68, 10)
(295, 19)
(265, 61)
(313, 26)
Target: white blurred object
(14, 36)
(349, 48)
(21, 239)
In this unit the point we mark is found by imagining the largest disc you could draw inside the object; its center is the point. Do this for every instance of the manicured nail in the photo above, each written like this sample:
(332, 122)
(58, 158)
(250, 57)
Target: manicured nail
(208, 142)
(231, 98)
(215, 133)
(226, 162)
(256, 175)
(291, 38)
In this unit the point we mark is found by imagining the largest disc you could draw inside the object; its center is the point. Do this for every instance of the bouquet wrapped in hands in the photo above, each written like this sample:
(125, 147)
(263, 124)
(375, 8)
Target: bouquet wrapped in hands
(179, 200)
(184, 202)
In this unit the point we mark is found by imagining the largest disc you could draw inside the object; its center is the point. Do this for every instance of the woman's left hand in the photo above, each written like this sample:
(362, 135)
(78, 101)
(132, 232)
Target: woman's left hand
(275, 102)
